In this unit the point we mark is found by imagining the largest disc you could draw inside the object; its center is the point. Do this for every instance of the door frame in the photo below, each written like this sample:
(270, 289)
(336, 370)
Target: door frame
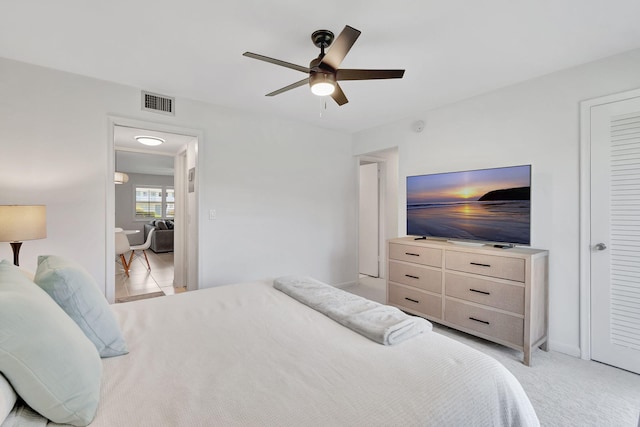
(112, 122)
(369, 216)
(382, 172)
(585, 213)
(182, 230)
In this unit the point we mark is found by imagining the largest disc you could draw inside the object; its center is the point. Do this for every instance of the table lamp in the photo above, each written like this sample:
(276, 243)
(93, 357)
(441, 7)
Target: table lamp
(19, 223)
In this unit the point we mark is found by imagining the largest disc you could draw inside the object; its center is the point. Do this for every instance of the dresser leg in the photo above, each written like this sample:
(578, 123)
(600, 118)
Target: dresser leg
(545, 346)
(527, 357)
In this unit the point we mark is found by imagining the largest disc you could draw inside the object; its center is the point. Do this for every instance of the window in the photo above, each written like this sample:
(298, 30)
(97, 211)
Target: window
(154, 203)
(170, 203)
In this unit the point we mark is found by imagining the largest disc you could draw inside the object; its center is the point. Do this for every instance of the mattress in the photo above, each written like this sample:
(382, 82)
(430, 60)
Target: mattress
(247, 354)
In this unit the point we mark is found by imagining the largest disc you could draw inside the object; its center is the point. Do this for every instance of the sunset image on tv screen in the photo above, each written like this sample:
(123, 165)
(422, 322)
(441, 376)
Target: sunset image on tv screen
(492, 205)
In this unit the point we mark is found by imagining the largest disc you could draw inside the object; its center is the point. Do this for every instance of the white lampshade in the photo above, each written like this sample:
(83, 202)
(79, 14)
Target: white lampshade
(120, 178)
(19, 222)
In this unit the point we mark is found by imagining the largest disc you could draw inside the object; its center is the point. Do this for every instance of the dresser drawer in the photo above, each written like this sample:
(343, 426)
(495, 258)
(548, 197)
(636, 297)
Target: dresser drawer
(486, 265)
(484, 291)
(416, 300)
(416, 254)
(497, 325)
(416, 276)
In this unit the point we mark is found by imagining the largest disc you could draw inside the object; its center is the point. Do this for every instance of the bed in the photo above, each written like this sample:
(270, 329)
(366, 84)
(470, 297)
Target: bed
(247, 354)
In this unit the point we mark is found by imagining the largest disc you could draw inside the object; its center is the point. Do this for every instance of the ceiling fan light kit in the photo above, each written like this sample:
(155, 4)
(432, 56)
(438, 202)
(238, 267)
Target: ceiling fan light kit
(322, 84)
(324, 72)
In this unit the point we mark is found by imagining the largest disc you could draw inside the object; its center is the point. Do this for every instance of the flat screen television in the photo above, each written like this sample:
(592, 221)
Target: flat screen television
(485, 205)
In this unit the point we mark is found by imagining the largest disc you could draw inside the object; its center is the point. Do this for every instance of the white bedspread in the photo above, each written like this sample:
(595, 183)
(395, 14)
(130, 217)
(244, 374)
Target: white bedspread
(249, 355)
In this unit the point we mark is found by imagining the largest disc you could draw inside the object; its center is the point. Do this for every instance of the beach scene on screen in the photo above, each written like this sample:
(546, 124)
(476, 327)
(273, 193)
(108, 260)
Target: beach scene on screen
(490, 205)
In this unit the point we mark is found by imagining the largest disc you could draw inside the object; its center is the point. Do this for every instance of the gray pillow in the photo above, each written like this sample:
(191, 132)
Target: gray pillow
(77, 293)
(47, 359)
(161, 225)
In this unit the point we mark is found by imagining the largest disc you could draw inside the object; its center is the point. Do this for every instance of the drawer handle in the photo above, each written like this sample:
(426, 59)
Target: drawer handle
(412, 300)
(411, 277)
(411, 254)
(480, 292)
(480, 265)
(478, 320)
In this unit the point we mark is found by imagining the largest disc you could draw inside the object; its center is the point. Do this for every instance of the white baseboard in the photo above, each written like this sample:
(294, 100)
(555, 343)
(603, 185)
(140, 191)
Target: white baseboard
(345, 284)
(564, 348)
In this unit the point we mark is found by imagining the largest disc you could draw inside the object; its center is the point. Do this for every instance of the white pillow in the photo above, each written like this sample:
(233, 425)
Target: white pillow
(45, 356)
(75, 290)
(7, 398)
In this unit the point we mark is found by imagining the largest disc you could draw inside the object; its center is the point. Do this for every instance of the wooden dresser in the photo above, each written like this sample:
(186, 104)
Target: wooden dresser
(497, 294)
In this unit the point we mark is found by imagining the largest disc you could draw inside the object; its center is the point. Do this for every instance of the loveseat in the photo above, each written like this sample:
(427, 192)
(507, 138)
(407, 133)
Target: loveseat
(162, 239)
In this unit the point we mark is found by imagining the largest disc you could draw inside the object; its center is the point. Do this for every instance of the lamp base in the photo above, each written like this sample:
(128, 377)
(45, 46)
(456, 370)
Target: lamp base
(16, 251)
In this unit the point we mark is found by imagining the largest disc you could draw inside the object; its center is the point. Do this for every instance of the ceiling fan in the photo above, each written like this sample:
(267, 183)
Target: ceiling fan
(323, 71)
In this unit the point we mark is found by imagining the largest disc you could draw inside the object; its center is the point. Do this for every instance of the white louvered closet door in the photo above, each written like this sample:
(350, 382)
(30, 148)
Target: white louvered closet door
(615, 234)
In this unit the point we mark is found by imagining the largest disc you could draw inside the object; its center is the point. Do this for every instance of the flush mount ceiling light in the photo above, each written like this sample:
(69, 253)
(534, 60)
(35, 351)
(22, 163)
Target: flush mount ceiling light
(149, 140)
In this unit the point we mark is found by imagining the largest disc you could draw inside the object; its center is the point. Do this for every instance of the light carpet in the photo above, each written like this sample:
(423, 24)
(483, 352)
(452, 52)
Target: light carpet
(564, 390)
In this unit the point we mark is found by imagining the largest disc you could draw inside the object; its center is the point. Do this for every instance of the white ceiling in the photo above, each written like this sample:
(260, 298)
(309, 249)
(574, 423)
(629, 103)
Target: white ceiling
(451, 49)
(144, 163)
(133, 157)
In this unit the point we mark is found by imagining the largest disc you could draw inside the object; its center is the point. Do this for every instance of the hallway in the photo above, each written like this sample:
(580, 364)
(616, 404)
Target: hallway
(141, 282)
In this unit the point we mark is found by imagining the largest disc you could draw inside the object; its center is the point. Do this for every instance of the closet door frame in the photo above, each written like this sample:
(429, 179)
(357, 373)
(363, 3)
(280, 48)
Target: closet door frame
(585, 213)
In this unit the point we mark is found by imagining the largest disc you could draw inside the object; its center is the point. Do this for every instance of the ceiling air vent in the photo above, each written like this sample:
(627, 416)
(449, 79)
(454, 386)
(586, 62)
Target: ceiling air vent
(158, 103)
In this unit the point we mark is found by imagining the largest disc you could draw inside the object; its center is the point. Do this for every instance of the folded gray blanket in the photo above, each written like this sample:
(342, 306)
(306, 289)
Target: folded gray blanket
(381, 323)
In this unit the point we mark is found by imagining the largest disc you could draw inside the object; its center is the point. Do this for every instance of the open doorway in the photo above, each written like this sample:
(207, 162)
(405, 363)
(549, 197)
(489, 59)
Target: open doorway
(369, 219)
(160, 194)
(145, 212)
(377, 220)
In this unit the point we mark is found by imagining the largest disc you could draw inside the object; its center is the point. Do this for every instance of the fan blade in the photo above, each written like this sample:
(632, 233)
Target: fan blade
(277, 62)
(291, 86)
(339, 96)
(340, 47)
(352, 74)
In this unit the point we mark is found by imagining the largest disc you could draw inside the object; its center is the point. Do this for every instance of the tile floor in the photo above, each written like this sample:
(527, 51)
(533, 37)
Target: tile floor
(142, 281)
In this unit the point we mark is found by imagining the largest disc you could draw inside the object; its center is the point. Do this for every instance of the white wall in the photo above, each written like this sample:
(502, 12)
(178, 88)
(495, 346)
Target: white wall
(124, 201)
(391, 191)
(191, 231)
(534, 122)
(284, 192)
